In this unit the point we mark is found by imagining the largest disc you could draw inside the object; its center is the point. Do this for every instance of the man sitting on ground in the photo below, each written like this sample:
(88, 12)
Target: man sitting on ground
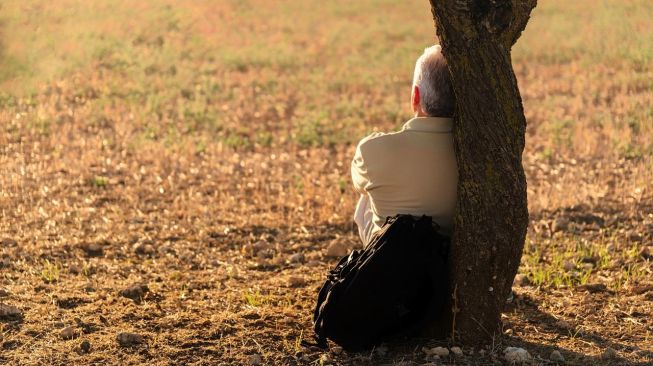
(412, 171)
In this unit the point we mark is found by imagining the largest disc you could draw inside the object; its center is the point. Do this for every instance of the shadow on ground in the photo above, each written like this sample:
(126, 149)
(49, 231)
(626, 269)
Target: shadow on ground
(554, 330)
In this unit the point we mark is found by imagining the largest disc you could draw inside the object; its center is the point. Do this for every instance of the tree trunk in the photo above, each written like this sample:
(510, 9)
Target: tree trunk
(492, 213)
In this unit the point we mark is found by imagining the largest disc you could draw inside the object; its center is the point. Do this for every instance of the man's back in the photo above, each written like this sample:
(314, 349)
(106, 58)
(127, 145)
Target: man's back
(412, 171)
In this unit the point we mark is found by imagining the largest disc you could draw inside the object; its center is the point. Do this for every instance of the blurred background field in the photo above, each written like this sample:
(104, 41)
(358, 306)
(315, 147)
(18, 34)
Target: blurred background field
(199, 127)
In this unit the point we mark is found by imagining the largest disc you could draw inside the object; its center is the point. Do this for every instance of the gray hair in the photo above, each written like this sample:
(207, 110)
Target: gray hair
(434, 82)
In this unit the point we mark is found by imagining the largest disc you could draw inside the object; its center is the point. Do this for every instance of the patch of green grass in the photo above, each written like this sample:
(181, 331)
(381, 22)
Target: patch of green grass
(237, 141)
(50, 272)
(255, 298)
(567, 261)
(264, 138)
(99, 181)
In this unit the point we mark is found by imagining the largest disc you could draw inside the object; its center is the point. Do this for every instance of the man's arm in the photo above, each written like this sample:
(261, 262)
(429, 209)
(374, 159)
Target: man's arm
(359, 170)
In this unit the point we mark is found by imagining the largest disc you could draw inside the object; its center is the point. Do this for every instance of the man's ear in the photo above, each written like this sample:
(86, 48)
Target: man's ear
(415, 98)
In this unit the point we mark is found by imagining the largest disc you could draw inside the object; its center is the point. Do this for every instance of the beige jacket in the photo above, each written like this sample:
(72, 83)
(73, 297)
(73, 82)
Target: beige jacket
(412, 171)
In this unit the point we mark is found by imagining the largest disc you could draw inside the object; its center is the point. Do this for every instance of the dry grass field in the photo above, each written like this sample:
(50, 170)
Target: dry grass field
(177, 170)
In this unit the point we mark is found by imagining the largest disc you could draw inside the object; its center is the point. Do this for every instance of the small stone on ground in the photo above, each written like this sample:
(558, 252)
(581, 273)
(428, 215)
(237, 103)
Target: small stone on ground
(9, 311)
(556, 356)
(609, 353)
(456, 351)
(144, 249)
(516, 355)
(337, 248)
(135, 292)
(296, 258)
(67, 333)
(260, 245)
(129, 339)
(8, 242)
(296, 281)
(254, 360)
(85, 346)
(92, 249)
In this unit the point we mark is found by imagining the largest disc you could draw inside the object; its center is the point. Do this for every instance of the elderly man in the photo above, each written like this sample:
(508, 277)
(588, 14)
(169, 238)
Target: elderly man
(412, 171)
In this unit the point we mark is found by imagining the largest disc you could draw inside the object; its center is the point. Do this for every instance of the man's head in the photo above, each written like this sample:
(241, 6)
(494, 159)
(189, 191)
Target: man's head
(432, 91)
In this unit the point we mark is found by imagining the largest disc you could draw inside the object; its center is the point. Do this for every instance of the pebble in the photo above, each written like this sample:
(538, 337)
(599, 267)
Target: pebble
(74, 269)
(8, 311)
(336, 350)
(85, 346)
(516, 355)
(135, 292)
(563, 324)
(260, 245)
(296, 258)
(92, 249)
(588, 266)
(129, 339)
(68, 333)
(456, 351)
(337, 248)
(609, 353)
(639, 289)
(254, 360)
(4, 293)
(568, 266)
(144, 249)
(440, 351)
(556, 356)
(8, 242)
(296, 281)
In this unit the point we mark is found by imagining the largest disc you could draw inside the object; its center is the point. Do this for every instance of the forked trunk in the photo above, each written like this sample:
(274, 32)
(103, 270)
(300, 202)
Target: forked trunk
(491, 214)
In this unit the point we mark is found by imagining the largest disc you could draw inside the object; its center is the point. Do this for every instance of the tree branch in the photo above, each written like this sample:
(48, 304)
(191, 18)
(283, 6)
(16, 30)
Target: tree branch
(521, 14)
(503, 20)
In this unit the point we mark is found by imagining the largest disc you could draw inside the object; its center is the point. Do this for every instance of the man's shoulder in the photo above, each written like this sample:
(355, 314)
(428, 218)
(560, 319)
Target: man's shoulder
(377, 139)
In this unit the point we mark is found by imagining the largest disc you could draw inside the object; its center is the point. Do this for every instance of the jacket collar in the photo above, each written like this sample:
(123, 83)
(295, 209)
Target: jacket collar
(429, 124)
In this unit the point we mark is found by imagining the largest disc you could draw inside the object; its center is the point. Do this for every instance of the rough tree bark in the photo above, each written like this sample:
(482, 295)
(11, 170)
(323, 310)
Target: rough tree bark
(492, 213)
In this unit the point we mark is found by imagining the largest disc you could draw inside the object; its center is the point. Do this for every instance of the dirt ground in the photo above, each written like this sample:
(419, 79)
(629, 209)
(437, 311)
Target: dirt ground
(220, 288)
(134, 229)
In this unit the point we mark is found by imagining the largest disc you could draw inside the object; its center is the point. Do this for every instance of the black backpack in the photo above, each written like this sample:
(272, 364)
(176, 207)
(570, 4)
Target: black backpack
(387, 289)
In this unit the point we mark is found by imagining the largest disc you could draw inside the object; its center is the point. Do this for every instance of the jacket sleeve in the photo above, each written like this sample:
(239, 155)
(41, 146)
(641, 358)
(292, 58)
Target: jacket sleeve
(359, 174)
